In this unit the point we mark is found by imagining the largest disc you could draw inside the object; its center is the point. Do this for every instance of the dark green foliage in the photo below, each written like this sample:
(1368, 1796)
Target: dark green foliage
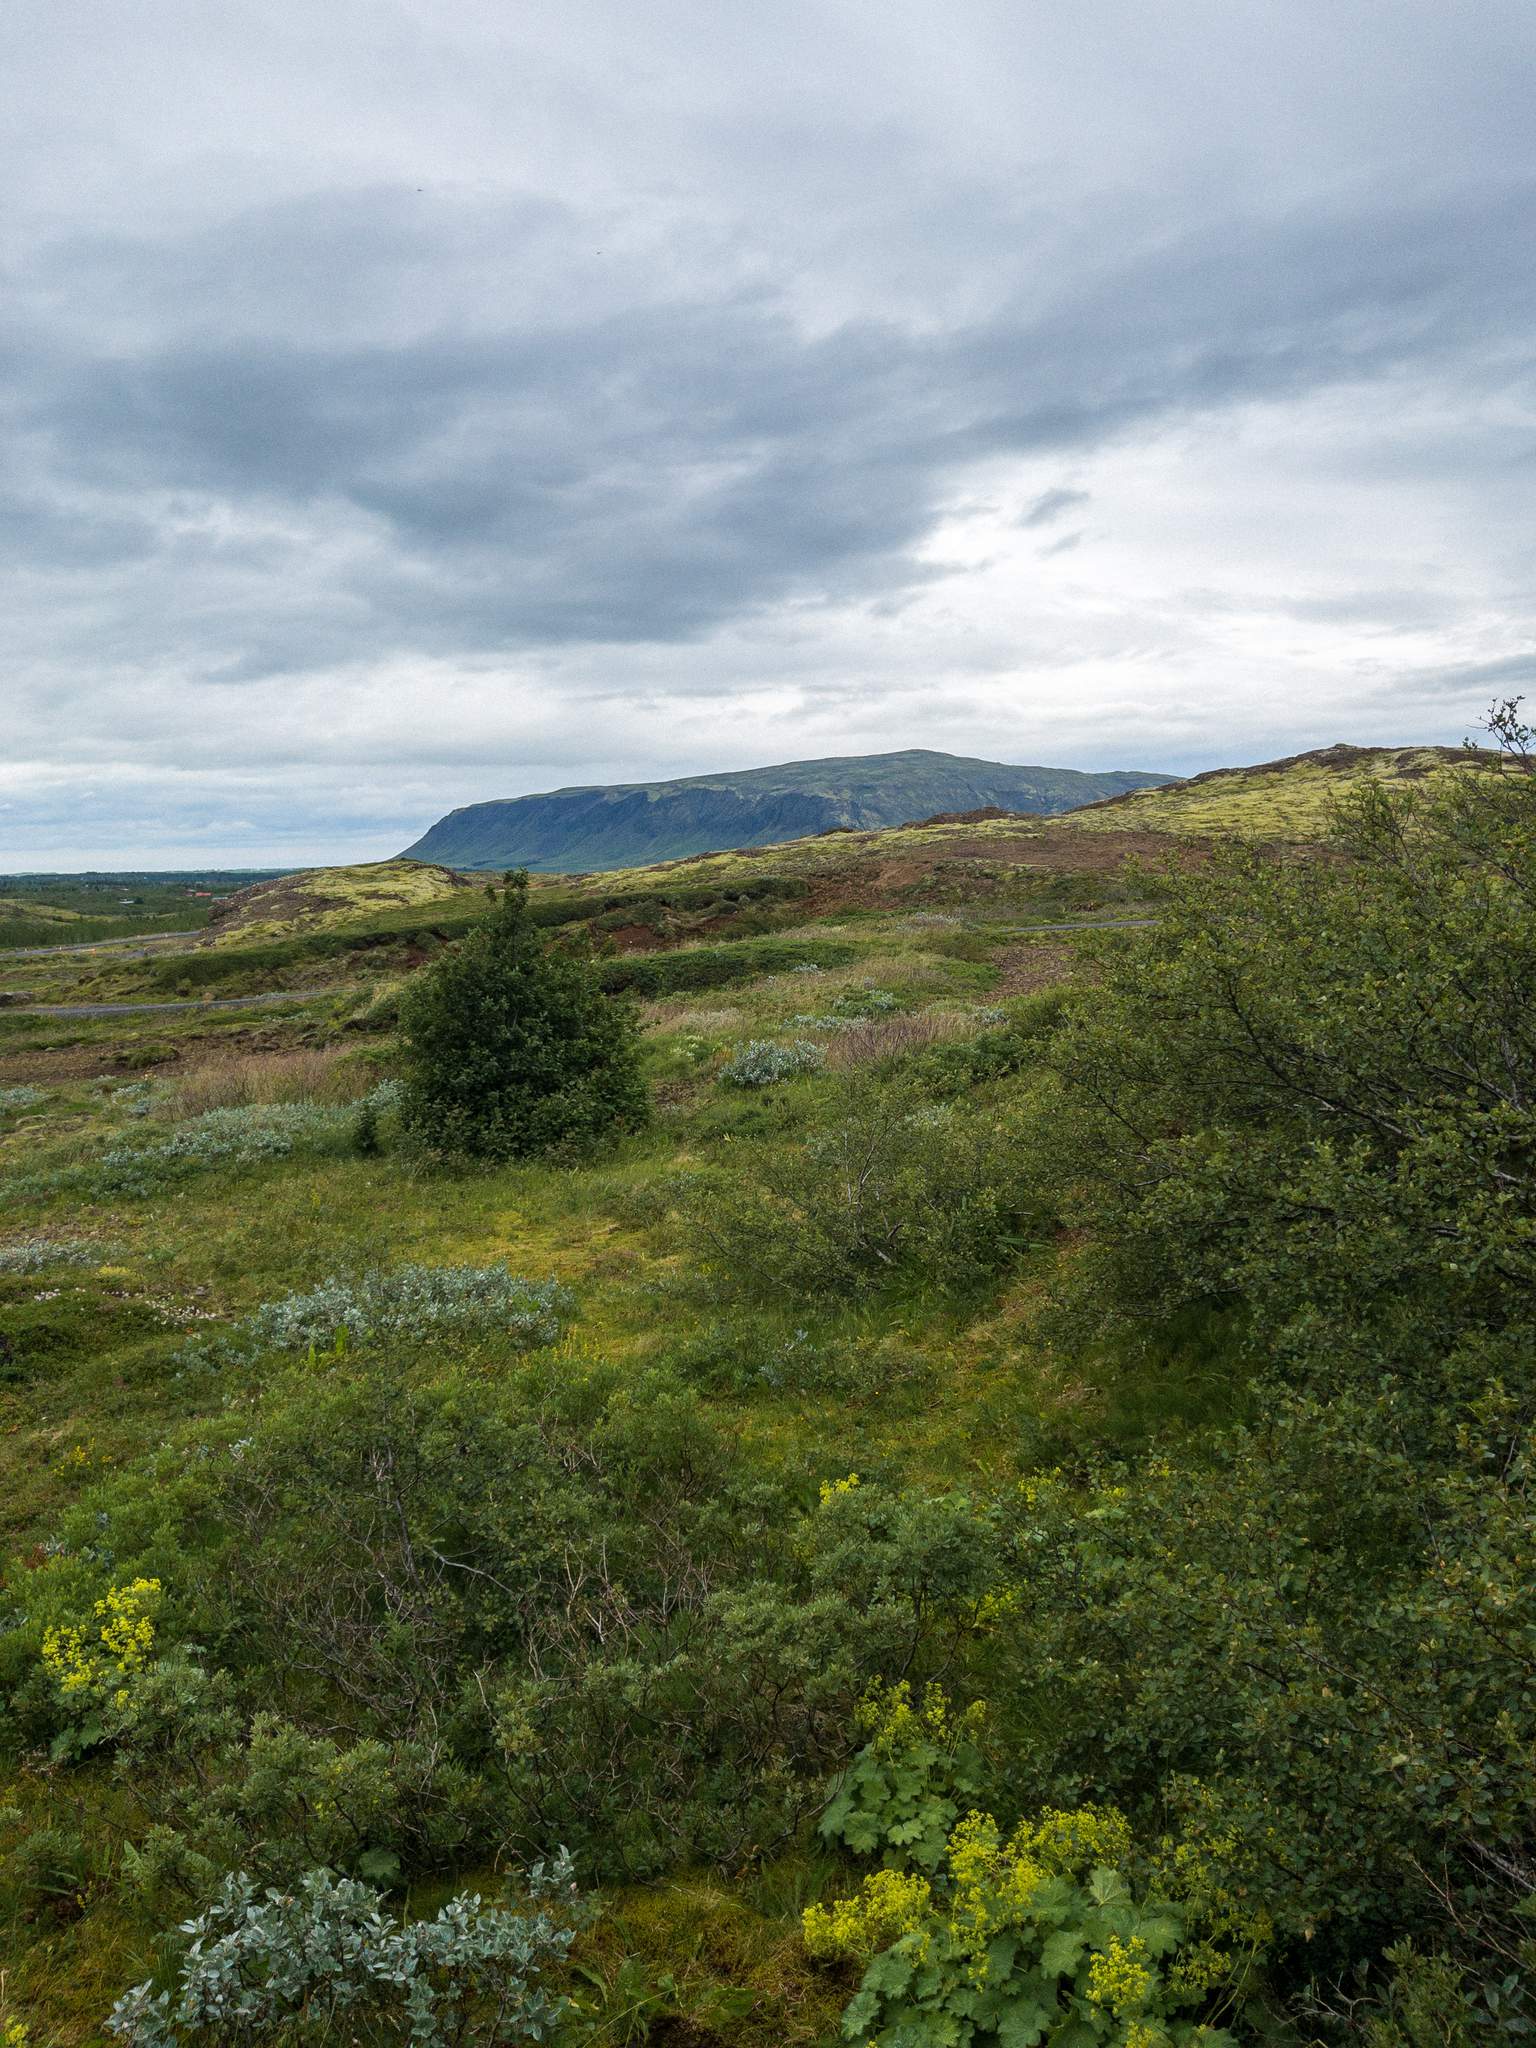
(1309, 1098)
(482, 1614)
(509, 1047)
(888, 1188)
(700, 967)
(1311, 1088)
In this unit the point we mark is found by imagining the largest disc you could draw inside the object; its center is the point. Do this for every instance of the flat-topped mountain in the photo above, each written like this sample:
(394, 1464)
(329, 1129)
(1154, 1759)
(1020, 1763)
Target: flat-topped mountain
(627, 824)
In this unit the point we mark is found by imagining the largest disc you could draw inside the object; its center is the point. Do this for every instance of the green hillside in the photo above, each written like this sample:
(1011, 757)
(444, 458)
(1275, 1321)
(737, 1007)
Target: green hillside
(320, 899)
(1287, 799)
(971, 1478)
(577, 830)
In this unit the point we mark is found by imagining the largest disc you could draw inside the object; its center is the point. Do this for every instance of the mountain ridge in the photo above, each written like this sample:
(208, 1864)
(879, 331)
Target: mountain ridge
(598, 826)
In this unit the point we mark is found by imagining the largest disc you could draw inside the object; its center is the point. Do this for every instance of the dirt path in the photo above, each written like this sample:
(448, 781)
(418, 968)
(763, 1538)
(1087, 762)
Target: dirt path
(147, 942)
(278, 995)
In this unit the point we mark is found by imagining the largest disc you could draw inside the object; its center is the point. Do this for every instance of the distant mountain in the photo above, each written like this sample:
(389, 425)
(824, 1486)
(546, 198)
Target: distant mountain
(630, 823)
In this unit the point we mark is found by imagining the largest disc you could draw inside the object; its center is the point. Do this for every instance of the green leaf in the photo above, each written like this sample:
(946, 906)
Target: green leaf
(1058, 1956)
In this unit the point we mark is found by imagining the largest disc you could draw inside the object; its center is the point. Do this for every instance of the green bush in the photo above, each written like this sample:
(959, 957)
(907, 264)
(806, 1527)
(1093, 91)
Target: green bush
(1037, 1936)
(887, 1187)
(326, 1960)
(509, 1046)
(1306, 1105)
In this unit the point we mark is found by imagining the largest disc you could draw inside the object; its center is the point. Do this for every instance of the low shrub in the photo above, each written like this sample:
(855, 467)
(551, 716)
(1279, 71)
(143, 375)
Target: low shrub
(18, 1100)
(417, 1302)
(701, 967)
(887, 1187)
(327, 1959)
(761, 1062)
(1039, 1934)
(35, 1254)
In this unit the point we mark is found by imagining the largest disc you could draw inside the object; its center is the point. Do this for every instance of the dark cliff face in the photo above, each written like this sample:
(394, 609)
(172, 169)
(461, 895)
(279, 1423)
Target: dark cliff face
(575, 829)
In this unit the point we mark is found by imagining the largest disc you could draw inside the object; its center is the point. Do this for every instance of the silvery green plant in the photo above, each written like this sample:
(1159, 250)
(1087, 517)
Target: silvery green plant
(866, 1002)
(413, 1302)
(34, 1254)
(328, 1961)
(233, 1137)
(22, 1097)
(762, 1062)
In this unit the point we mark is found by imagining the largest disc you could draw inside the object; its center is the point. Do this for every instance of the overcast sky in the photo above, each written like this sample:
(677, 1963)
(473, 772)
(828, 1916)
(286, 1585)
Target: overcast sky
(414, 401)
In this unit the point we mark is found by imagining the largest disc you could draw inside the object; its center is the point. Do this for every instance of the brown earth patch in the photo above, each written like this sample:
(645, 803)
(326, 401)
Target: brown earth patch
(1025, 970)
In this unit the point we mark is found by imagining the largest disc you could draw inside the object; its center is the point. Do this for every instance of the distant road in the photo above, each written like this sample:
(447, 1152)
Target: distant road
(1086, 924)
(145, 940)
(281, 995)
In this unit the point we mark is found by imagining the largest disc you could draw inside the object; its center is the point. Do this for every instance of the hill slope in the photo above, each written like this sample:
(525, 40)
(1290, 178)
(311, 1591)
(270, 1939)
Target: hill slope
(1287, 799)
(626, 824)
(320, 899)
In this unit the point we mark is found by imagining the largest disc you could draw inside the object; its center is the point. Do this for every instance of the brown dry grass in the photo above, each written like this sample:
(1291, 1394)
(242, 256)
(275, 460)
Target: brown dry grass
(235, 1080)
(884, 1038)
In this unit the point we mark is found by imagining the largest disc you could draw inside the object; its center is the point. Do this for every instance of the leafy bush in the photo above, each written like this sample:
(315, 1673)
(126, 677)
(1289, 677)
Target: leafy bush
(865, 1002)
(416, 1302)
(1310, 1088)
(14, 1101)
(886, 1187)
(510, 1047)
(761, 1063)
(1304, 1103)
(328, 1958)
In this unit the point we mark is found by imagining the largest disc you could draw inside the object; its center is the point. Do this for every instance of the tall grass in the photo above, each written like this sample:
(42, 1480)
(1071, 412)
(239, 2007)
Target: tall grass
(239, 1081)
(872, 1039)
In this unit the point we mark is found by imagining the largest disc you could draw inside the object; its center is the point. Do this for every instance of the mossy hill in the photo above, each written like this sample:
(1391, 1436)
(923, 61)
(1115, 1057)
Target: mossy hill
(319, 899)
(1289, 799)
(626, 824)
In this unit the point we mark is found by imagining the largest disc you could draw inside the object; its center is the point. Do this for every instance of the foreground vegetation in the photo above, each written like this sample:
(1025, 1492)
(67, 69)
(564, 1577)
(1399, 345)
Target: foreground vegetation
(1000, 1514)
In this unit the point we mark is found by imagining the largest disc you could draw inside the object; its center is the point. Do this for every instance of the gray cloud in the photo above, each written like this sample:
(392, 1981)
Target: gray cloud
(1052, 505)
(314, 409)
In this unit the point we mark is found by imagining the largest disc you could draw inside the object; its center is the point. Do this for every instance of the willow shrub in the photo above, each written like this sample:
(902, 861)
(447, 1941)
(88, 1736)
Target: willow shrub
(886, 1188)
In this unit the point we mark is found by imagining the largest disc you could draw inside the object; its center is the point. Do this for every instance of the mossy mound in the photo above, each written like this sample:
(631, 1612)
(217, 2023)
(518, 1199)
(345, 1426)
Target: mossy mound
(322, 899)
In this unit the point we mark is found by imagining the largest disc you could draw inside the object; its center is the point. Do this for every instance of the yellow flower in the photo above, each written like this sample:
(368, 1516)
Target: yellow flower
(82, 1662)
(832, 1489)
(888, 1905)
(1119, 1978)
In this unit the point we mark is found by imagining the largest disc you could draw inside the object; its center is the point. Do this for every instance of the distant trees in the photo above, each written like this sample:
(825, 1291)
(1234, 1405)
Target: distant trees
(511, 1048)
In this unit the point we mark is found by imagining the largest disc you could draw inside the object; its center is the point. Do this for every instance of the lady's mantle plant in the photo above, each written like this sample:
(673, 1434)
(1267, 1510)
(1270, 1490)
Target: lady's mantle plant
(1036, 1936)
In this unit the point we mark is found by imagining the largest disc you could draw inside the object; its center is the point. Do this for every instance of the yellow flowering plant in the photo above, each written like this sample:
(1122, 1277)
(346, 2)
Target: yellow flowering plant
(904, 1790)
(94, 1664)
(1023, 1937)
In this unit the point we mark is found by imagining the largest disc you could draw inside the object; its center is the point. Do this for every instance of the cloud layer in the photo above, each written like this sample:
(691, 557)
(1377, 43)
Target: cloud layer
(413, 405)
